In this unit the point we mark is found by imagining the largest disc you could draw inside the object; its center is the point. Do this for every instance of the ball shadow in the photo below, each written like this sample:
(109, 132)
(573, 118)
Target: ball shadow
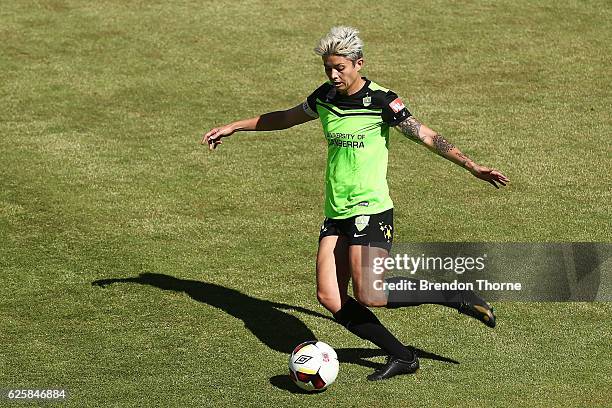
(283, 382)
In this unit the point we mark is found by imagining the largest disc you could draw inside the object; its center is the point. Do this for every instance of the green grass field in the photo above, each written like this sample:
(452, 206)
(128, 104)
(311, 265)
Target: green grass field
(102, 177)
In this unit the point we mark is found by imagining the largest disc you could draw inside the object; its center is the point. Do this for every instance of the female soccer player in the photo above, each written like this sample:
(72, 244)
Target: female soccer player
(356, 115)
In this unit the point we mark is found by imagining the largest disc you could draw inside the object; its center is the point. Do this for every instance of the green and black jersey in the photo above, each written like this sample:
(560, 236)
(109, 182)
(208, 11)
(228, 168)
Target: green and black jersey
(357, 131)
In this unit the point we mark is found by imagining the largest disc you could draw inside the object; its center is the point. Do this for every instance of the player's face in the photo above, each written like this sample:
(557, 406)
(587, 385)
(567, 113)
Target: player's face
(342, 72)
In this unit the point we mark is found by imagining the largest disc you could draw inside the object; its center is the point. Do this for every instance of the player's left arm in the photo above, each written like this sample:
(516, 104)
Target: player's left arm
(419, 133)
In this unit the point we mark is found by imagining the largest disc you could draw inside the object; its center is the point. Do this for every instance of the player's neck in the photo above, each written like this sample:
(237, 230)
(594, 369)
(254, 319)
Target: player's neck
(355, 86)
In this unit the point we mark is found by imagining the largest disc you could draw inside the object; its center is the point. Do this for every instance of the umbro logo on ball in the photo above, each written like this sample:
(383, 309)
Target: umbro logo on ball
(302, 359)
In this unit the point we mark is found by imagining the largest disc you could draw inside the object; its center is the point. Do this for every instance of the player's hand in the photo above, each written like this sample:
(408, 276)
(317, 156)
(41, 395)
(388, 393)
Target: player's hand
(213, 136)
(491, 176)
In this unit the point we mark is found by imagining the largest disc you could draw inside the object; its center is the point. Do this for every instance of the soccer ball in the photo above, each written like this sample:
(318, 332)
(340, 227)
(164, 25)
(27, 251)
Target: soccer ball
(313, 365)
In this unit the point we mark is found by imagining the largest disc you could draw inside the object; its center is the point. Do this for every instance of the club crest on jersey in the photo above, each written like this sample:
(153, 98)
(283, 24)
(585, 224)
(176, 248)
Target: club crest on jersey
(361, 222)
(397, 105)
(367, 101)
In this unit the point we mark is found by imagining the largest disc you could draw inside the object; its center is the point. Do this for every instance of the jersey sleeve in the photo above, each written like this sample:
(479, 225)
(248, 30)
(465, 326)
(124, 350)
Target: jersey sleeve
(310, 104)
(310, 108)
(394, 111)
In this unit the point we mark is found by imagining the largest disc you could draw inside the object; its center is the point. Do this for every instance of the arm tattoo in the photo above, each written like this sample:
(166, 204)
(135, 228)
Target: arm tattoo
(442, 145)
(410, 128)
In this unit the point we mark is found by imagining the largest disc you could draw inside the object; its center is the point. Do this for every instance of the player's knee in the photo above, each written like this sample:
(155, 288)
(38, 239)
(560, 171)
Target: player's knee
(322, 298)
(368, 300)
(330, 302)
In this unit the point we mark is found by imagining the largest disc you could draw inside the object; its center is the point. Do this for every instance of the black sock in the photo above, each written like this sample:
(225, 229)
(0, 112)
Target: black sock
(415, 297)
(360, 321)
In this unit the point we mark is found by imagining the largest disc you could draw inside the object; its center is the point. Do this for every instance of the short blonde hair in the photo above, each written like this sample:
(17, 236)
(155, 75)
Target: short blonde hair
(341, 41)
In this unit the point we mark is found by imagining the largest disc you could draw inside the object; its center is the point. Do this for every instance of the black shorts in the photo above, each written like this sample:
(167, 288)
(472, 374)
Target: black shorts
(370, 230)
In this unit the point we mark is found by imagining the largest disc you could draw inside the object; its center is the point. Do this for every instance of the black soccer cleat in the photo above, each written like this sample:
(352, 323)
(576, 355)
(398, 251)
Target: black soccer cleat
(474, 306)
(395, 366)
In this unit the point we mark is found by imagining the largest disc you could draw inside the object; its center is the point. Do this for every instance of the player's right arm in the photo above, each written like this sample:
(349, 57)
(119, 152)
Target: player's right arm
(268, 121)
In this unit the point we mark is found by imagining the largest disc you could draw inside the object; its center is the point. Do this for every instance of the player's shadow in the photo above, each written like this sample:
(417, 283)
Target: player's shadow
(275, 328)
(266, 320)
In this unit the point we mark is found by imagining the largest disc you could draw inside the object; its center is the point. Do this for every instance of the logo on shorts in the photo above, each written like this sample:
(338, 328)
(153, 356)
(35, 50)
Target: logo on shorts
(323, 226)
(361, 222)
(397, 105)
(387, 231)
